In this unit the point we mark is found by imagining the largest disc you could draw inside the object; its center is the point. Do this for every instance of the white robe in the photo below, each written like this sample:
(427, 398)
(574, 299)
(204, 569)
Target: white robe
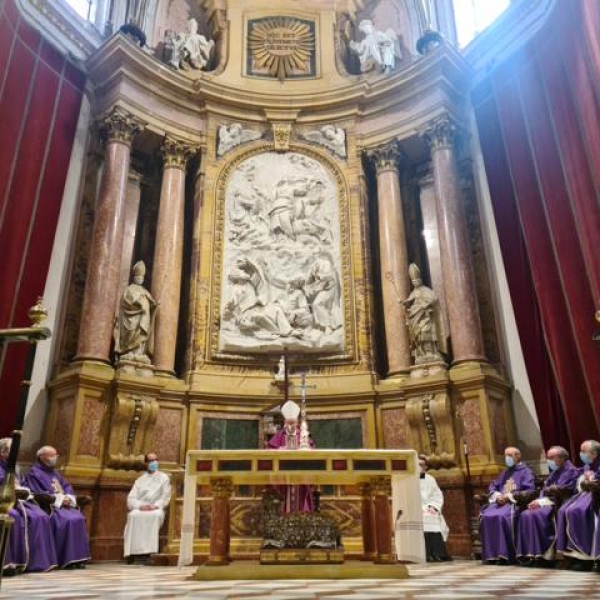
(432, 498)
(141, 531)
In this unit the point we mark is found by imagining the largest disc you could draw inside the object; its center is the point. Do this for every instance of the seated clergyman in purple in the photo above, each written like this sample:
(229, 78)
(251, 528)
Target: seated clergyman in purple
(68, 524)
(30, 544)
(499, 518)
(296, 498)
(535, 535)
(576, 525)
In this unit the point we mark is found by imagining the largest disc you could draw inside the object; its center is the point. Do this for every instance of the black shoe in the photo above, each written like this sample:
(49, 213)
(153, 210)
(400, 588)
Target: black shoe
(503, 562)
(582, 565)
(129, 559)
(9, 572)
(80, 565)
(525, 561)
(542, 563)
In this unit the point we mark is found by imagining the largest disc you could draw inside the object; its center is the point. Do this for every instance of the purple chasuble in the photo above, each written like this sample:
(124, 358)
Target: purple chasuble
(535, 535)
(68, 524)
(576, 522)
(296, 498)
(497, 524)
(31, 545)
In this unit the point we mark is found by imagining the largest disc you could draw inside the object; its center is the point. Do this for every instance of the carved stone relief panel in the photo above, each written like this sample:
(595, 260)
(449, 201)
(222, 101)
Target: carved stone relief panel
(281, 279)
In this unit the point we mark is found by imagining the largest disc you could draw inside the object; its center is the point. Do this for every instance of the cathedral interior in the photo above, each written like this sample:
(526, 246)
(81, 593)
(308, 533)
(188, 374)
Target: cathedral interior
(225, 204)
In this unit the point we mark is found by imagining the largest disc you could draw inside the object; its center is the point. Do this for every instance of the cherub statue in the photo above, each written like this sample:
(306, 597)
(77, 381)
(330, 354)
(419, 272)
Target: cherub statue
(233, 135)
(191, 50)
(377, 50)
(330, 136)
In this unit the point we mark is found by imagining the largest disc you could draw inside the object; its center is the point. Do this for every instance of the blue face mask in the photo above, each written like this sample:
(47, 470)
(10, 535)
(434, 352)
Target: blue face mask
(552, 465)
(153, 466)
(585, 459)
(510, 461)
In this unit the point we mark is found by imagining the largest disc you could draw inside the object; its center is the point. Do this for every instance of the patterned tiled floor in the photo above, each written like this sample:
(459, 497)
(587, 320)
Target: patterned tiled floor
(454, 581)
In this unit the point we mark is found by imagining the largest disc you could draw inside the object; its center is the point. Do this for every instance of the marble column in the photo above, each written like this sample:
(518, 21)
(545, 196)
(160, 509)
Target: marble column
(382, 490)
(367, 514)
(168, 253)
(220, 521)
(132, 207)
(459, 279)
(431, 236)
(104, 267)
(393, 256)
(195, 351)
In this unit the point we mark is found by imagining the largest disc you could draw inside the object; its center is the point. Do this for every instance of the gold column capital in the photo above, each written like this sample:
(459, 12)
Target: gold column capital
(441, 132)
(119, 126)
(176, 153)
(364, 489)
(386, 157)
(381, 486)
(221, 487)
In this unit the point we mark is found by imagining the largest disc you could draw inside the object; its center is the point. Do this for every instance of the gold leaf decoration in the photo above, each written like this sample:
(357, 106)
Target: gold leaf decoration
(281, 46)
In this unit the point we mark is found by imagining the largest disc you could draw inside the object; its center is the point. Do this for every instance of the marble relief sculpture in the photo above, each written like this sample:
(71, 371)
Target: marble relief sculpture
(330, 136)
(134, 325)
(190, 50)
(424, 321)
(281, 269)
(377, 50)
(233, 135)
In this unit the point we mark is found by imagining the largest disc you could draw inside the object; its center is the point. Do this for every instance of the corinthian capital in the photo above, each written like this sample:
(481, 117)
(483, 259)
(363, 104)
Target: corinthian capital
(386, 156)
(441, 132)
(176, 153)
(120, 126)
(221, 487)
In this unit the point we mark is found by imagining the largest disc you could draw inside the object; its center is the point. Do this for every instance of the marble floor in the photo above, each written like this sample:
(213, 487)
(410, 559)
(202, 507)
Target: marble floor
(461, 579)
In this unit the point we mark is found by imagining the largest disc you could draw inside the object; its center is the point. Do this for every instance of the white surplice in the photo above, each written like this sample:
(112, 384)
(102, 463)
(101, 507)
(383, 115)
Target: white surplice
(432, 498)
(141, 531)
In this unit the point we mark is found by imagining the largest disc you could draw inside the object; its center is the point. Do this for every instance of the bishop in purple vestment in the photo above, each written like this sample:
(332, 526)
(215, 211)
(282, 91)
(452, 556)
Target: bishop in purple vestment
(536, 531)
(68, 524)
(576, 527)
(30, 544)
(498, 519)
(296, 498)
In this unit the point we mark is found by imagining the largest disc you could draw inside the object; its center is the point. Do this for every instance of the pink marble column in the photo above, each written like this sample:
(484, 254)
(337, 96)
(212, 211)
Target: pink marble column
(431, 236)
(132, 208)
(459, 280)
(104, 268)
(195, 351)
(393, 256)
(168, 254)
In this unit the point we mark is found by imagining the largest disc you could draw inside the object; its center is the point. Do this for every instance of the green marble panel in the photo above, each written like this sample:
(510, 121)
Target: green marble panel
(336, 433)
(229, 434)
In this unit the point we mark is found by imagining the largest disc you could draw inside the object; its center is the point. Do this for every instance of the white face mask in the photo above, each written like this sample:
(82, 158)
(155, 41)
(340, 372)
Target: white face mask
(52, 461)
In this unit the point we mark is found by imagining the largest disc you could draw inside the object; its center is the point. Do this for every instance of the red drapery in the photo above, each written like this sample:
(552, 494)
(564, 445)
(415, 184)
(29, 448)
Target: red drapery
(40, 98)
(538, 116)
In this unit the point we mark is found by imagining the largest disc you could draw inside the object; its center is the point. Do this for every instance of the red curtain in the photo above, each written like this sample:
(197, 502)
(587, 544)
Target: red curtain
(538, 115)
(40, 98)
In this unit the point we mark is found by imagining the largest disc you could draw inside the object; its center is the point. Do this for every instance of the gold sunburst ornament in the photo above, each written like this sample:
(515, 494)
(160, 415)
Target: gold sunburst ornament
(281, 47)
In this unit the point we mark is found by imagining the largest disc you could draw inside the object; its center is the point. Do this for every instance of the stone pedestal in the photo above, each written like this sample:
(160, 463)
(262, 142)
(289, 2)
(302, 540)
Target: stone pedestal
(104, 269)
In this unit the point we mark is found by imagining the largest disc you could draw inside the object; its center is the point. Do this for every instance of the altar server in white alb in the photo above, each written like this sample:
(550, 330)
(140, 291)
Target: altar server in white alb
(147, 500)
(434, 525)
